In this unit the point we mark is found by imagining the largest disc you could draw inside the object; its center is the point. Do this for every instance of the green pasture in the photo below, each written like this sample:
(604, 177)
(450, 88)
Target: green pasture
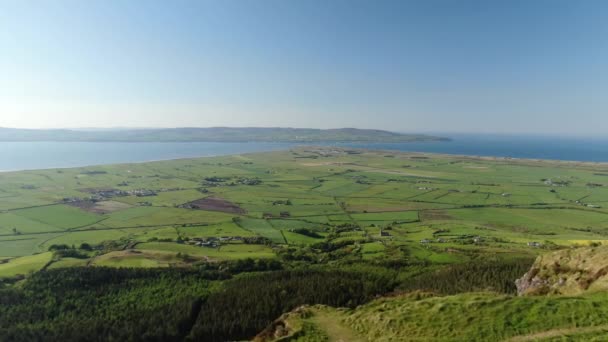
(155, 216)
(299, 239)
(130, 260)
(68, 262)
(59, 216)
(224, 252)
(24, 265)
(263, 228)
(219, 229)
(506, 203)
(25, 244)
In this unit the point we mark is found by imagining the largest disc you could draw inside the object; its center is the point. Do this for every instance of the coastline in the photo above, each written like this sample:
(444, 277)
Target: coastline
(29, 156)
(495, 159)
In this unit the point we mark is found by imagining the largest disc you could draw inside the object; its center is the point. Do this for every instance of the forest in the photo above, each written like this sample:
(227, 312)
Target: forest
(233, 301)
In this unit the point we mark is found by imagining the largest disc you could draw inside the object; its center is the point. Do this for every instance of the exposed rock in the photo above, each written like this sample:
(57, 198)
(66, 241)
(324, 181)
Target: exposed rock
(289, 324)
(567, 272)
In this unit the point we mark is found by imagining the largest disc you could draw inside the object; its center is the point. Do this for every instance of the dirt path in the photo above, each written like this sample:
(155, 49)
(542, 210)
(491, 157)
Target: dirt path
(557, 333)
(334, 328)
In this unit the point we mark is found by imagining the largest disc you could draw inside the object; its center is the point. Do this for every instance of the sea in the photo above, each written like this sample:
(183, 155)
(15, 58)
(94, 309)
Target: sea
(15, 156)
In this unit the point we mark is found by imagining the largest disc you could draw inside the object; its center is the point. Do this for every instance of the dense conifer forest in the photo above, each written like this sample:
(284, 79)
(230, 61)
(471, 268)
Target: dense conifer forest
(213, 302)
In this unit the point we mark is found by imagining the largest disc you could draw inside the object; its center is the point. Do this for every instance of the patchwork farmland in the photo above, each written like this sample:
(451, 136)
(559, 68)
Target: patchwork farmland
(314, 204)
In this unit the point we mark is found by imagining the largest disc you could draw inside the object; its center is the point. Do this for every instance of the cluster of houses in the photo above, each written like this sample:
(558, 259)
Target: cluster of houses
(248, 181)
(190, 205)
(104, 194)
(212, 242)
(282, 202)
(476, 240)
(329, 153)
(552, 182)
(222, 181)
(142, 193)
(427, 241)
(592, 206)
(282, 214)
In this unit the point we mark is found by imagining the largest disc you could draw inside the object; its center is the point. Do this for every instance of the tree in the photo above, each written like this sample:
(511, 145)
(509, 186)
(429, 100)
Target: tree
(85, 246)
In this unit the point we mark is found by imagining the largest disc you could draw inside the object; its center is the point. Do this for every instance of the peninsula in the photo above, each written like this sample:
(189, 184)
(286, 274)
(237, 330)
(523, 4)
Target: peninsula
(214, 134)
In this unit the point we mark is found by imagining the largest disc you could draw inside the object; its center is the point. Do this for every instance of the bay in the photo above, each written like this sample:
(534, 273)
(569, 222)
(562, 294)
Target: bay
(43, 155)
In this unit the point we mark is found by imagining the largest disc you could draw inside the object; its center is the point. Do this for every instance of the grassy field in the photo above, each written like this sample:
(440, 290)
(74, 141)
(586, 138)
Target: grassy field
(25, 265)
(224, 252)
(353, 204)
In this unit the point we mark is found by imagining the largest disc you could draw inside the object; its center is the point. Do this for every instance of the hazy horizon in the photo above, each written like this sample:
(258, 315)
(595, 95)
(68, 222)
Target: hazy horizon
(519, 67)
(431, 132)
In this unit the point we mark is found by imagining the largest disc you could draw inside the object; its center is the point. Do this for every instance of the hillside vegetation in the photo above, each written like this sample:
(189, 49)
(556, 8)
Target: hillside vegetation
(541, 315)
(464, 317)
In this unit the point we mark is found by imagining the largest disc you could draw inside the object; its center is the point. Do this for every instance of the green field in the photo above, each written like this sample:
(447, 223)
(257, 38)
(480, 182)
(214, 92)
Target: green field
(24, 265)
(445, 200)
(224, 252)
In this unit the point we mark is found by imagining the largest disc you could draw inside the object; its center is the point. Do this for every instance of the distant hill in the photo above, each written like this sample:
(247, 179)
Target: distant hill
(213, 134)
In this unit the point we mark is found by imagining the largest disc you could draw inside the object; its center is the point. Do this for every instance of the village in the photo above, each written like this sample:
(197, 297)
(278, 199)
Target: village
(212, 242)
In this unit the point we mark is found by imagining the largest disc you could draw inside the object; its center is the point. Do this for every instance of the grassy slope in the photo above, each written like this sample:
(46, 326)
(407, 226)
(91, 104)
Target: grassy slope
(465, 317)
(482, 316)
(25, 265)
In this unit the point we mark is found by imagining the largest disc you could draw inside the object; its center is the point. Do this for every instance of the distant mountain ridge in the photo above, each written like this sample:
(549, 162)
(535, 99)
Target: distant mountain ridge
(213, 134)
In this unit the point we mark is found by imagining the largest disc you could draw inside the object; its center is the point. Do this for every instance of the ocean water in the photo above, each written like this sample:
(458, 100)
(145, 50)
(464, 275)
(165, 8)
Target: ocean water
(532, 147)
(43, 155)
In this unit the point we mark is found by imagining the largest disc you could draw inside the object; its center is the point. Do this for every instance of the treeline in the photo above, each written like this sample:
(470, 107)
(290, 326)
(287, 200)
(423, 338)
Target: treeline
(498, 276)
(247, 305)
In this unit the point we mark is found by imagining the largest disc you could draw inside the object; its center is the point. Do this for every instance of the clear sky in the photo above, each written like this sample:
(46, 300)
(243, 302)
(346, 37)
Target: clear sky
(415, 66)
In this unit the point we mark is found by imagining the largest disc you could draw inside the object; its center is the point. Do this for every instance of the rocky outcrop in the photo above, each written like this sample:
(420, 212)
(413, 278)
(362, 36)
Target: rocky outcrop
(285, 327)
(567, 272)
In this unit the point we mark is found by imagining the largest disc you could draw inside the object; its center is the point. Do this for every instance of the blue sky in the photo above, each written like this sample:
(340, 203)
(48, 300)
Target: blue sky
(416, 66)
